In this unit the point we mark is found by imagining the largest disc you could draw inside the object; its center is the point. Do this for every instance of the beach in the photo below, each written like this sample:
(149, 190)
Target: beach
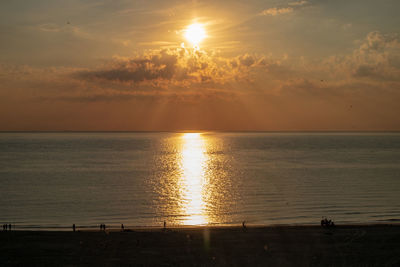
(351, 245)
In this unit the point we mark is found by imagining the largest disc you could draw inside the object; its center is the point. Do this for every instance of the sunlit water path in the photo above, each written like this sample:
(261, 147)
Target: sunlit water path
(51, 180)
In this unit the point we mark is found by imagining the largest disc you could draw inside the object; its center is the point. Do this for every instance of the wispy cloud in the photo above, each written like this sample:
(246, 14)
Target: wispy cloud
(67, 28)
(50, 27)
(276, 11)
(298, 3)
(285, 9)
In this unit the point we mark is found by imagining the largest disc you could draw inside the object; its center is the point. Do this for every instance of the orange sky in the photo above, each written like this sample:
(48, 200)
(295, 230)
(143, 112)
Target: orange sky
(264, 65)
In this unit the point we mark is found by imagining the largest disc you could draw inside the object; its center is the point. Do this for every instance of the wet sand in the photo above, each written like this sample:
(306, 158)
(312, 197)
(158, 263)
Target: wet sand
(372, 245)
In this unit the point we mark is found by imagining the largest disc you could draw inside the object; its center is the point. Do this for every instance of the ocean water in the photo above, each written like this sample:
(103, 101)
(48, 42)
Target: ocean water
(52, 180)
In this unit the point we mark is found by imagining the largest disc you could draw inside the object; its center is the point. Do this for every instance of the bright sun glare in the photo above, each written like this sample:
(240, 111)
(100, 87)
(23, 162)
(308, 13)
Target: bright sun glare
(195, 33)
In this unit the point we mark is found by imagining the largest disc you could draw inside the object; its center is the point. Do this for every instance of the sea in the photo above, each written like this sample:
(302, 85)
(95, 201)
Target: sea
(50, 181)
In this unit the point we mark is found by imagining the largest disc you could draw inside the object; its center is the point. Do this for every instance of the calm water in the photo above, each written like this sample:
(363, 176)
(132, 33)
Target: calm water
(141, 179)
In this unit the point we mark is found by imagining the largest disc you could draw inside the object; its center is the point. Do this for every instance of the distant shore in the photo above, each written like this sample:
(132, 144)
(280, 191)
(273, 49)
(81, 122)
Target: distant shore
(344, 245)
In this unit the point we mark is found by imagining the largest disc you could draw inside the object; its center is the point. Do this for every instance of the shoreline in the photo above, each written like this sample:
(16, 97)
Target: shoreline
(343, 245)
(114, 227)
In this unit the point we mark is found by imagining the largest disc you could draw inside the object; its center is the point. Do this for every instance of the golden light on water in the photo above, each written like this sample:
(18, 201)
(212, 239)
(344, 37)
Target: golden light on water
(193, 186)
(193, 180)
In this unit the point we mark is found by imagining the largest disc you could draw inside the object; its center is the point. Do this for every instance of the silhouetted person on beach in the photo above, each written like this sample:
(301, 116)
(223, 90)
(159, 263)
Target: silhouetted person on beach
(244, 225)
(165, 225)
(73, 227)
(9, 226)
(327, 223)
(122, 227)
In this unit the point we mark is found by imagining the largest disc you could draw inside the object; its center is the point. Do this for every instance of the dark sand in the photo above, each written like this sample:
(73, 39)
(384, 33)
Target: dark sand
(377, 245)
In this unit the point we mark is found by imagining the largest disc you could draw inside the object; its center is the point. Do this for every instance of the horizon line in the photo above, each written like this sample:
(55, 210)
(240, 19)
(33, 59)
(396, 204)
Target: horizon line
(201, 131)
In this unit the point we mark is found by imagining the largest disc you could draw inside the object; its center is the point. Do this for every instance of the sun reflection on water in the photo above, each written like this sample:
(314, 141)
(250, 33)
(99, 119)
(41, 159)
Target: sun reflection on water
(193, 181)
(193, 185)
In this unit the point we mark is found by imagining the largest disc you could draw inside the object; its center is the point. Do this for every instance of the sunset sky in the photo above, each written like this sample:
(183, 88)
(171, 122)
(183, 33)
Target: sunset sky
(262, 65)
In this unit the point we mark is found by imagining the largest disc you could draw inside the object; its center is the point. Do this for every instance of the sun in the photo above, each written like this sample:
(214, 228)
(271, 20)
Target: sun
(195, 33)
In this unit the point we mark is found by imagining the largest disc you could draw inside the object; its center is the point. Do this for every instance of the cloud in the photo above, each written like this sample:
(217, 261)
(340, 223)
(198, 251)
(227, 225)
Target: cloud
(52, 28)
(276, 11)
(136, 70)
(298, 3)
(289, 8)
(49, 27)
(157, 75)
(179, 67)
(378, 57)
(190, 74)
(378, 41)
(347, 26)
(247, 60)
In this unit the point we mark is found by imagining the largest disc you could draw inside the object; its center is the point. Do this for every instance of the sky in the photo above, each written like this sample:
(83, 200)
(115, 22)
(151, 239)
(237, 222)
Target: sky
(271, 65)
